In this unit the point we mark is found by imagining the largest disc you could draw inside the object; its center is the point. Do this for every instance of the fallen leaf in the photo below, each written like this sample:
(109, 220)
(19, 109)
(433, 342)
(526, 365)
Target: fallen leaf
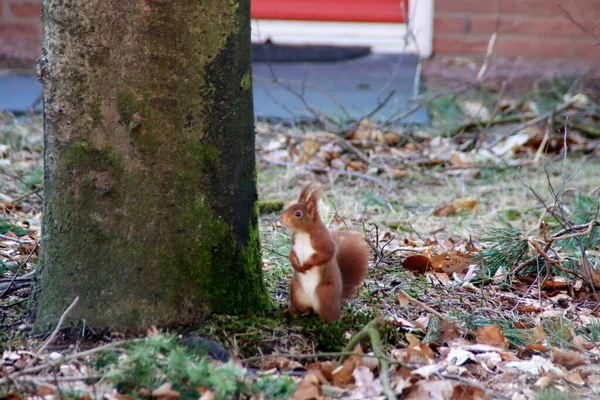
(529, 309)
(459, 356)
(439, 390)
(582, 343)
(418, 351)
(366, 386)
(342, 375)
(403, 300)
(448, 333)
(461, 204)
(165, 391)
(450, 263)
(308, 389)
(491, 335)
(556, 283)
(544, 382)
(281, 363)
(392, 139)
(575, 378)
(45, 391)
(417, 263)
(489, 360)
(366, 130)
(539, 334)
(208, 395)
(567, 359)
(466, 392)
(535, 366)
(475, 110)
(428, 370)
(537, 347)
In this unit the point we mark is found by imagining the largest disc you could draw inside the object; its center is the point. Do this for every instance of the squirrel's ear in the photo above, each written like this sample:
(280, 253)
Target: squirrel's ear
(312, 201)
(304, 193)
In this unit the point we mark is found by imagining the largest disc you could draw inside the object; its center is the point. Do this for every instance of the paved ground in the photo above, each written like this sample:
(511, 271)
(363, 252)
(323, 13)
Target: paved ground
(283, 90)
(357, 86)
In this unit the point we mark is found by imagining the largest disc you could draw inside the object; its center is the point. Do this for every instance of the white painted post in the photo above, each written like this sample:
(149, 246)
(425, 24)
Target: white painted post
(421, 25)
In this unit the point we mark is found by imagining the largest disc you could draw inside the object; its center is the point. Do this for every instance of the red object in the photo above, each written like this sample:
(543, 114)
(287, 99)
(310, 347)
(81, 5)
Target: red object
(331, 10)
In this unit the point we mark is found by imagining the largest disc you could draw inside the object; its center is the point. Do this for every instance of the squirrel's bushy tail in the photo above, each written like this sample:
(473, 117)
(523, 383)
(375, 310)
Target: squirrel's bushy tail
(352, 258)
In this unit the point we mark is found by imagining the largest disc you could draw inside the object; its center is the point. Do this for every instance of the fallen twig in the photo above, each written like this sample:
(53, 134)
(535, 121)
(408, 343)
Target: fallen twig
(19, 270)
(54, 332)
(428, 309)
(26, 371)
(17, 240)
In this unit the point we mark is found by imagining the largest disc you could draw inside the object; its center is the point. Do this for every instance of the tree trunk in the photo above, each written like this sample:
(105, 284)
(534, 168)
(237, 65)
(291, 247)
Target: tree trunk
(150, 184)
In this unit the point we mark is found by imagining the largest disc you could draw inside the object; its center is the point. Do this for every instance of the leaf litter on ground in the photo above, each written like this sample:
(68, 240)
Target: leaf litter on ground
(502, 332)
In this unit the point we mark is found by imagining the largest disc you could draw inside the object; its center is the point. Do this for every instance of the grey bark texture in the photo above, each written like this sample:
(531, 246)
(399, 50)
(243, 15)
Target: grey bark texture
(150, 184)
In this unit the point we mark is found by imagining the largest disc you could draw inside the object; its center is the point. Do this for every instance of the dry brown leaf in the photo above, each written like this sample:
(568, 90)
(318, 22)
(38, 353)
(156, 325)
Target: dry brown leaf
(367, 130)
(8, 206)
(417, 263)
(327, 369)
(492, 335)
(392, 139)
(208, 395)
(366, 386)
(582, 343)
(544, 382)
(567, 359)
(464, 392)
(506, 356)
(310, 147)
(342, 375)
(526, 309)
(596, 278)
(451, 262)
(461, 159)
(575, 378)
(308, 389)
(418, 351)
(281, 363)
(445, 209)
(165, 391)
(557, 283)
(45, 391)
(449, 333)
(461, 204)
(539, 334)
(537, 347)
(439, 390)
(358, 166)
(403, 300)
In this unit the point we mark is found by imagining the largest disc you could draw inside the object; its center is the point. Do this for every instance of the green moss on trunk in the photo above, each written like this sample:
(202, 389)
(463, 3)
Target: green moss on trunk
(150, 174)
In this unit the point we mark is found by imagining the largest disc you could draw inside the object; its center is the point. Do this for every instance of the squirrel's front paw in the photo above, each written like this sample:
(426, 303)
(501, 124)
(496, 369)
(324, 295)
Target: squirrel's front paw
(302, 268)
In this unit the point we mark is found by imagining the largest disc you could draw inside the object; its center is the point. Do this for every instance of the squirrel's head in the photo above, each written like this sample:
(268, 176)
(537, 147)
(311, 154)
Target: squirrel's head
(304, 214)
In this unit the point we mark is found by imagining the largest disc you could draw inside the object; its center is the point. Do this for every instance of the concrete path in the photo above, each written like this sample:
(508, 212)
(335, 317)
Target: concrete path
(337, 89)
(296, 90)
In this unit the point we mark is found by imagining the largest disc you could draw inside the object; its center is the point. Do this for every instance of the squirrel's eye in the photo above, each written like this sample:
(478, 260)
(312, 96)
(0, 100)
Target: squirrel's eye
(298, 214)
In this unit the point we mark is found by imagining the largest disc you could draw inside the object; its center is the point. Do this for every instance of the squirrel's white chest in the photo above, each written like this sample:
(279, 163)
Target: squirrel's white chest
(302, 246)
(310, 279)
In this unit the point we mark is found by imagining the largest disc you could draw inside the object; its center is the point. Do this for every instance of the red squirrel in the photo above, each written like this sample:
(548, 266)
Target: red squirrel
(328, 266)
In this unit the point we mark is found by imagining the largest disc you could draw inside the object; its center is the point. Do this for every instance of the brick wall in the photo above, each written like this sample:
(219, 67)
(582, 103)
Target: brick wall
(531, 28)
(20, 32)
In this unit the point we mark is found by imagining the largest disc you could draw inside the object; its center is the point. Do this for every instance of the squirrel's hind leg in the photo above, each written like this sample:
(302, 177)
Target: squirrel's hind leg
(330, 302)
(299, 300)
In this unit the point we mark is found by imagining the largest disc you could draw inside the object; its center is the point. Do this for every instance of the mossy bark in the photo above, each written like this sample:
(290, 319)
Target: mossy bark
(150, 186)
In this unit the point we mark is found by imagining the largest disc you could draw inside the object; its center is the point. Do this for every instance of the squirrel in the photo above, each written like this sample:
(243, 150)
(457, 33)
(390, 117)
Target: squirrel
(328, 265)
